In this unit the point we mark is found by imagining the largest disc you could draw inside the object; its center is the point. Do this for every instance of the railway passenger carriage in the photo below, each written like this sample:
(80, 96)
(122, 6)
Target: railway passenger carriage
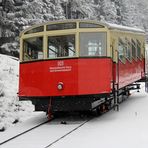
(79, 65)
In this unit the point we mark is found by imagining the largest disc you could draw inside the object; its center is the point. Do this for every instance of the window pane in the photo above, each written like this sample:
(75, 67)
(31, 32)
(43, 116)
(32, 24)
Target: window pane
(93, 44)
(61, 46)
(134, 49)
(128, 49)
(121, 49)
(61, 26)
(138, 49)
(35, 30)
(90, 25)
(33, 48)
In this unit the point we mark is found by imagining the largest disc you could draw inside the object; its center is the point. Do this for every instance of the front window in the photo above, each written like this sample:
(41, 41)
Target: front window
(93, 44)
(33, 48)
(61, 46)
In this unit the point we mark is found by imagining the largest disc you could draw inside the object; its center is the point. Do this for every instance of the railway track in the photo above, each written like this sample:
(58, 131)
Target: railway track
(20, 134)
(65, 129)
(68, 133)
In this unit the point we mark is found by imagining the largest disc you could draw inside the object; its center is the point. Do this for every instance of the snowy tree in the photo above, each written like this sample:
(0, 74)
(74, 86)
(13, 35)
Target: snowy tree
(78, 9)
(108, 11)
(15, 15)
(127, 13)
(18, 14)
(57, 10)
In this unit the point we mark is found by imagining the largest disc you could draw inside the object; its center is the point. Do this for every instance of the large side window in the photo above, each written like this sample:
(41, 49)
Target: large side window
(61, 46)
(93, 44)
(33, 48)
(134, 50)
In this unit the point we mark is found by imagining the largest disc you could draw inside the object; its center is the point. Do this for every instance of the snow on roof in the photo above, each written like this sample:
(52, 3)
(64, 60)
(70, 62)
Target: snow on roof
(125, 28)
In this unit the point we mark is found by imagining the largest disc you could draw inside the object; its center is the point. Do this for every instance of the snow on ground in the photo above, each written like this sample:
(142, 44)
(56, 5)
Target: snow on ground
(127, 128)
(11, 110)
(39, 117)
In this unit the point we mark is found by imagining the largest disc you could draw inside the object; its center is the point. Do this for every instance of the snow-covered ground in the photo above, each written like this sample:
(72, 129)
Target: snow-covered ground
(11, 110)
(127, 128)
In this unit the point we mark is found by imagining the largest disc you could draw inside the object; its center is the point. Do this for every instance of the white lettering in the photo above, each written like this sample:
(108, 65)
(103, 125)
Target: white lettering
(60, 69)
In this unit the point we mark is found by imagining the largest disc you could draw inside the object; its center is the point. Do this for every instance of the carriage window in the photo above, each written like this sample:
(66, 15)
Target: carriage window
(93, 44)
(134, 50)
(61, 46)
(35, 30)
(90, 25)
(33, 48)
(61, 26)
(128, 49)
(121, 50)
(138, 49)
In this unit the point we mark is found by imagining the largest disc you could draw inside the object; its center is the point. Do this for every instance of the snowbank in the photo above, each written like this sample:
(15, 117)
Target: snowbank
(11, 110)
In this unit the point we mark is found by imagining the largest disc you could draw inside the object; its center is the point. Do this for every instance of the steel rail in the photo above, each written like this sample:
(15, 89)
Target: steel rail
(68, 133)
(18, 135)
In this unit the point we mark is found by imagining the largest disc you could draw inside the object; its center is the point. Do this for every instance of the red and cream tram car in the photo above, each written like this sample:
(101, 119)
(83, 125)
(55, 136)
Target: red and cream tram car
(79, 65)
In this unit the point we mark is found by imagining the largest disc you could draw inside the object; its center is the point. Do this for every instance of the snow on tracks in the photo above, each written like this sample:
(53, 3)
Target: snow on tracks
(48, 134)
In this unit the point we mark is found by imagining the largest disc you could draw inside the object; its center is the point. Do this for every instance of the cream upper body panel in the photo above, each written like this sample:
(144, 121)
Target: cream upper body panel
(77, 28)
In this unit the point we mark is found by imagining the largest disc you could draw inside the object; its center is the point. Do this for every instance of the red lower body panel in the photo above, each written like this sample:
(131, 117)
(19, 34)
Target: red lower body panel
(129, 72)
(82, 76)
